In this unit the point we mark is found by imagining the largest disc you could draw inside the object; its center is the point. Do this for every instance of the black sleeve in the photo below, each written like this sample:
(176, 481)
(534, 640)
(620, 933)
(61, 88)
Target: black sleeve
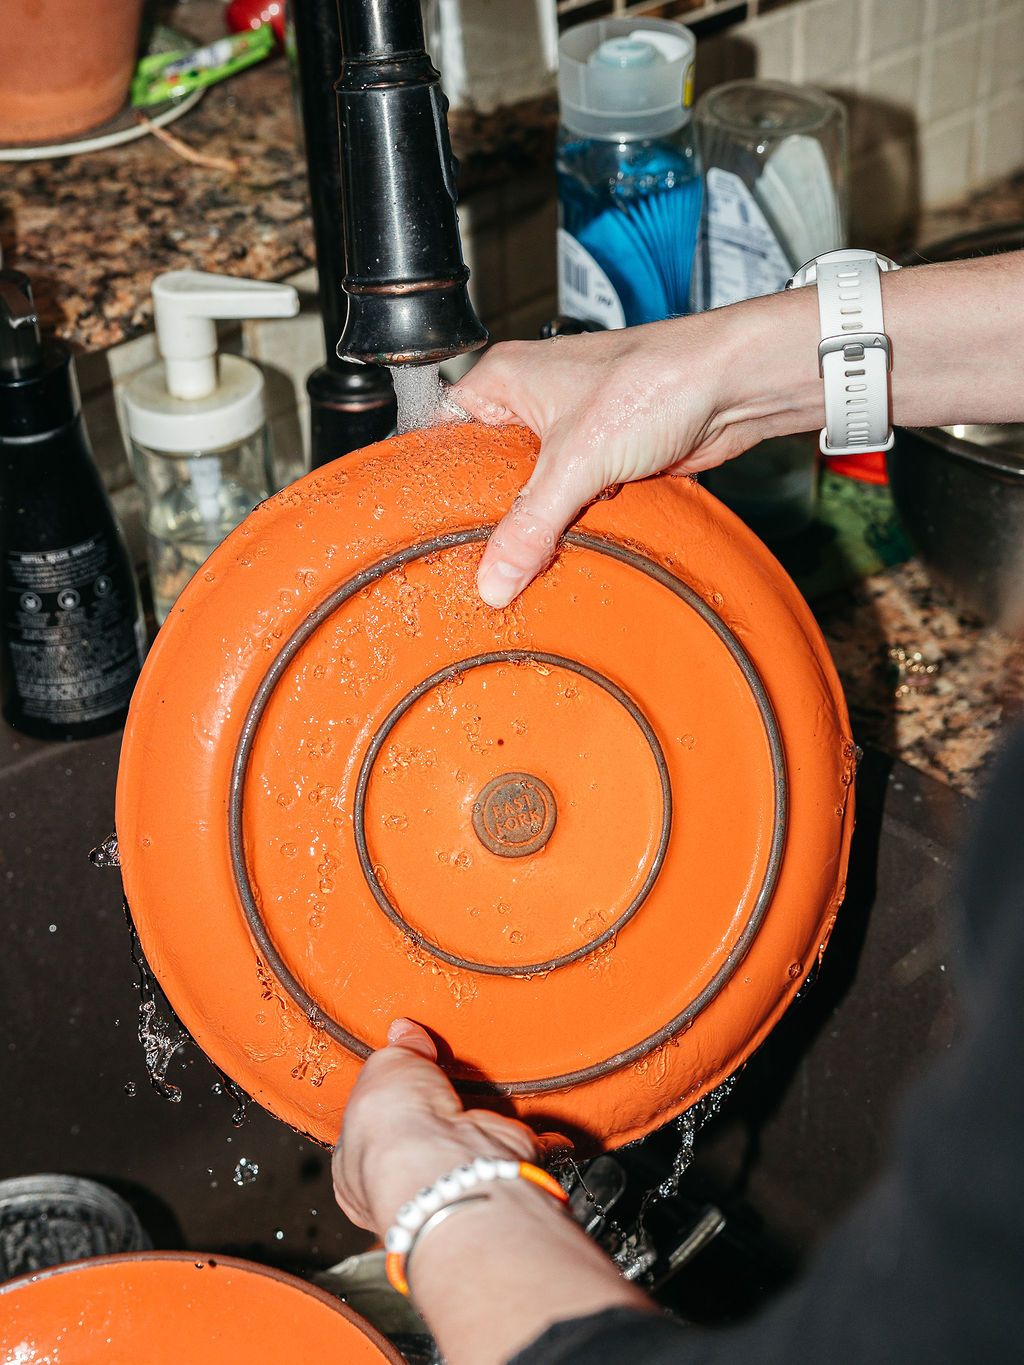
(930, 1266)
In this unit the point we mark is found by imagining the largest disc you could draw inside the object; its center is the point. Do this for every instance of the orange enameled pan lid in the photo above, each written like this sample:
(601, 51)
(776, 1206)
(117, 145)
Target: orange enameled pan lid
(595, 841)
(168, 1308)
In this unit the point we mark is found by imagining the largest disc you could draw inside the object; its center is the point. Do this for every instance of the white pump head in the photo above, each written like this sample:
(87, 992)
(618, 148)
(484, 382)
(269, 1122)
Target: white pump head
(193, 401)
(185, 304)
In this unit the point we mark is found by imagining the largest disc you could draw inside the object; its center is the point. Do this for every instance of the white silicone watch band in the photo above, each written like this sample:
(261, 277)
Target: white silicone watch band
(857, 408)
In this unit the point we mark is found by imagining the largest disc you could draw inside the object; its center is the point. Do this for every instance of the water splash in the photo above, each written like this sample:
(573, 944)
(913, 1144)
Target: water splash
(226, 1086)
(160, 1041)
(161, 1038)
(418, 394)
(245, 1172)
(106, 854)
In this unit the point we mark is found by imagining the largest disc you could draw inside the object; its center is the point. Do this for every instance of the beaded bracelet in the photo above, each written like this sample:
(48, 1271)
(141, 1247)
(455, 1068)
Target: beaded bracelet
(452, 1189)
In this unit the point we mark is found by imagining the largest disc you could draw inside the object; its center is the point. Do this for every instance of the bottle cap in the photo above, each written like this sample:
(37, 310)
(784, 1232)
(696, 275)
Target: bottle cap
(38, 392)
(625, 79)
(195, 400)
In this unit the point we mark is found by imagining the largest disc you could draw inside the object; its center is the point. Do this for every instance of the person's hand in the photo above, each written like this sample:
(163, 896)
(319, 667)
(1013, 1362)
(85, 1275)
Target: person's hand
(405, 1127)
(609, 408)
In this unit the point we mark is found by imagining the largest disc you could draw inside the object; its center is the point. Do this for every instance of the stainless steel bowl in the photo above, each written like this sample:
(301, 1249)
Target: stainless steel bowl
(959, 491)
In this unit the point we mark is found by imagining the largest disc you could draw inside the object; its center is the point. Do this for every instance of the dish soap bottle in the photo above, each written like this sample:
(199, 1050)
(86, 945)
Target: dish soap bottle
(71, 631)
(629, 182)
(197, 423)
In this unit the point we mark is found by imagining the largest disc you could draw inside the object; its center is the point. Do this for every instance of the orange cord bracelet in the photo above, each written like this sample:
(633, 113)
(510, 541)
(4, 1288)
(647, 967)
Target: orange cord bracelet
(458, 1187)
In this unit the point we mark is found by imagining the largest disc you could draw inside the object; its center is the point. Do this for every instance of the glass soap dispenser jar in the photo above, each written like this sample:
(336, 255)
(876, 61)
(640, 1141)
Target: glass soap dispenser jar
(200, 445)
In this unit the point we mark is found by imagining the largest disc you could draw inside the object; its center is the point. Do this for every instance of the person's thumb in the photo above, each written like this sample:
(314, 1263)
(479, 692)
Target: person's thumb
(405, 1034)
(524, 541)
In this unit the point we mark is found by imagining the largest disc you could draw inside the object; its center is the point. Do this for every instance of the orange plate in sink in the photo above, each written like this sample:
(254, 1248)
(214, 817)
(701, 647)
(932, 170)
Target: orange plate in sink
(595, 842)
(173, 1308)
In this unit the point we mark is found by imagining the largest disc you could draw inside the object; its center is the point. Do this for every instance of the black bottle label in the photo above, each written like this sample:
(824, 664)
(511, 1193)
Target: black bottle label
(75, 641)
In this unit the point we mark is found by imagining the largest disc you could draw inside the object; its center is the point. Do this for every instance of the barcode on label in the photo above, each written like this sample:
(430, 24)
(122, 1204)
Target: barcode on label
(575, 276)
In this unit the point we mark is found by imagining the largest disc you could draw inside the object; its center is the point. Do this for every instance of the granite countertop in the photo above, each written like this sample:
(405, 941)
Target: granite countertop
(93, 231)
(950, 726)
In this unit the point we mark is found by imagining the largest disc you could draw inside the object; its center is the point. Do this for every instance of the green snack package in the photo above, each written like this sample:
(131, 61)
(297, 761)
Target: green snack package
(164, 76)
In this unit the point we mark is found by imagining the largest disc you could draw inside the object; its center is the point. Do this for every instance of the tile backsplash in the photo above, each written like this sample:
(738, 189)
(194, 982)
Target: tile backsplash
(935, 95)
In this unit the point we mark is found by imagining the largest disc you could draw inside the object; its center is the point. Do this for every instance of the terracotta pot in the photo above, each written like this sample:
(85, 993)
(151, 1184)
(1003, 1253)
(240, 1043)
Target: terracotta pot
(66, 65)
(168, 1308)
(596, 842)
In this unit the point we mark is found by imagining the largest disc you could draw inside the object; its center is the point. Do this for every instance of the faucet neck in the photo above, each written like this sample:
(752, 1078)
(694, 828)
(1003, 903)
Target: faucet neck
(405, 278)
(374, 29)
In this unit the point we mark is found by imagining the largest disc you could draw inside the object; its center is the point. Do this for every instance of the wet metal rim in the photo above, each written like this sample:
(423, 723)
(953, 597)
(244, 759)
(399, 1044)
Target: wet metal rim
(511, 656)
(202, 1261)
(337, 599)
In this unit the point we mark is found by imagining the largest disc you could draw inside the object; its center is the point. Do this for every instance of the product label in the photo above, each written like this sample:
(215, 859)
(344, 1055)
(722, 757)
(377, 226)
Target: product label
(74, 640)
(584, 290)
(744, 255)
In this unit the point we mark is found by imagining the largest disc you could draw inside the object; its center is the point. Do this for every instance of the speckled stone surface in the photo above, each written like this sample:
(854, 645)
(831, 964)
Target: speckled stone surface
(92, 231)
(949, 727)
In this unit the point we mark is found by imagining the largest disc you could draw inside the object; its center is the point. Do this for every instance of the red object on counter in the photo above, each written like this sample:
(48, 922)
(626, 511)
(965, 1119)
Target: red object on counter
(868, 468)
(245, 14)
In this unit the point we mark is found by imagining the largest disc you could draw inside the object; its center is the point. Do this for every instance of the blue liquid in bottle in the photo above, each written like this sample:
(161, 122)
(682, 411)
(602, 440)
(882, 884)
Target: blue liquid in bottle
(629, 180)
(634, 207)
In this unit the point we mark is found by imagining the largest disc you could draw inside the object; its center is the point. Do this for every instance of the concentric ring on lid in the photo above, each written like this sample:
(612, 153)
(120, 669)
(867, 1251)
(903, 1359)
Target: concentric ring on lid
(594, 842)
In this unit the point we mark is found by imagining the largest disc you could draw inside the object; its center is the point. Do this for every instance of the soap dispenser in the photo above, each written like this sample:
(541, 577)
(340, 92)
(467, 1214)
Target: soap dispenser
(71, 631)
(197, 423)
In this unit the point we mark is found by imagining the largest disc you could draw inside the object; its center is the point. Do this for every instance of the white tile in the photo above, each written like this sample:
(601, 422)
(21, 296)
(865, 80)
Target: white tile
(102, 422)
(892, 25)
(482, 206)
(132, 356)
(1008, 50)
(524, 324)
(92, 371)
(884, 194)
(529, 253)
(130, 512)
(290, 445)
(947, 14)
(883, 108)
(305, 281)
(286, 349)
(893, 83)
(522, 193)
(774, 40)
(725, 57)
(952, 80)
(986, 57)
(482, 252)
(459, 366)
(946, 160)
(1003, 122)
(832, 32)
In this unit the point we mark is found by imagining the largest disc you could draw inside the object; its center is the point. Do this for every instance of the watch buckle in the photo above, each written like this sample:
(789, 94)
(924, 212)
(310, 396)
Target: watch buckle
(853, 346)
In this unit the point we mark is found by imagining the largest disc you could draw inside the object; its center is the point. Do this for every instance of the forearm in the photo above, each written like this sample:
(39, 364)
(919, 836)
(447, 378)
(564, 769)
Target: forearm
(500, 1272)
(954, 329)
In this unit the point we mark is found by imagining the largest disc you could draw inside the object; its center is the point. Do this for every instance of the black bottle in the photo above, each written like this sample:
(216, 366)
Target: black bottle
(71, 631)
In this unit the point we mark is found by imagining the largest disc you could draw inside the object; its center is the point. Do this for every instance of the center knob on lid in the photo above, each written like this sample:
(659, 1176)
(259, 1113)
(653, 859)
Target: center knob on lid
(514, 815)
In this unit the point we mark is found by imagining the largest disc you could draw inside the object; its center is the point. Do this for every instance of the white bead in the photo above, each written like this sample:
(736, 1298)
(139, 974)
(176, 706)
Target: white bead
(429, 1199)
(508, 1170)
(448, 1187)
(466, 1176)
(410, 1216)
(486, 1167)
(397, 1240)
